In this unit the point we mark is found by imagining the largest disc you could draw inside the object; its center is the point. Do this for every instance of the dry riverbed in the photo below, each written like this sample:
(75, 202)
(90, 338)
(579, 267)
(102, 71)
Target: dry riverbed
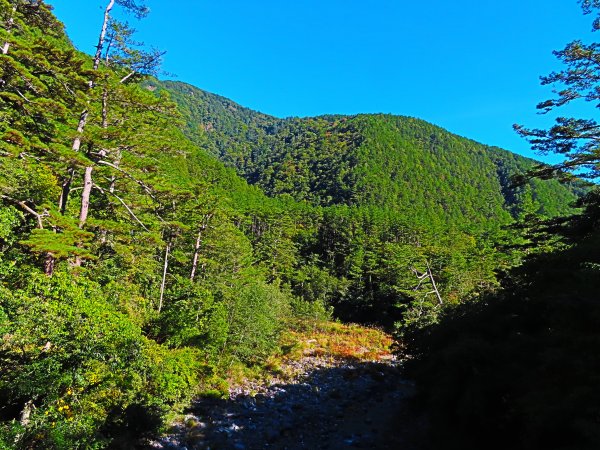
(336, 393)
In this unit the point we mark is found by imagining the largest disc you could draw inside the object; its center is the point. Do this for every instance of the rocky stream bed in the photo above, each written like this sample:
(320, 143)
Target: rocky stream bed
(328, 404)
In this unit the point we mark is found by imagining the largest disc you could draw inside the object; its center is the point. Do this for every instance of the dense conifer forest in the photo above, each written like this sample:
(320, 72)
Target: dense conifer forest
(154, 236)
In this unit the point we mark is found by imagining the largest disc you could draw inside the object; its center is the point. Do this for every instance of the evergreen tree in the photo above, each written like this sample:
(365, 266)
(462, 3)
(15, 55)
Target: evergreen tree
(575, 139)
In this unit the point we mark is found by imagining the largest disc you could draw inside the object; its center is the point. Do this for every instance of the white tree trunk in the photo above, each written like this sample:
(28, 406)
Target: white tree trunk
(196, 256)
(435, 288)
(9, 26)
(80, 127)
(102, 36)
(85, 196)
(85, 204)
(164, 277)
(197, 246)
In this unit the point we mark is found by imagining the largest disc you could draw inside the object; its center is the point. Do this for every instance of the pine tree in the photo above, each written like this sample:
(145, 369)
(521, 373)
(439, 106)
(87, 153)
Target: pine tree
(575, 139)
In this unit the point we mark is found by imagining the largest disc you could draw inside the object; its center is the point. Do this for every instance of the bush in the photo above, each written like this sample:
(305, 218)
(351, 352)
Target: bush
(315, 311)
(254, 318)
(83, 367)
(520, 369)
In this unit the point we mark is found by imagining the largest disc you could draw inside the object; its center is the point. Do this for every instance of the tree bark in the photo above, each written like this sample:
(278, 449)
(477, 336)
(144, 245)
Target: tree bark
(84, 115)
(64, 193)
(435, 289)
(164, 277)
(66, 188)
(102, 36)
(80, 127)
(85, 204)
(26, 413)
(85, 196)
(196, 255)
(49, 263)
(197, 246)
(105, 108)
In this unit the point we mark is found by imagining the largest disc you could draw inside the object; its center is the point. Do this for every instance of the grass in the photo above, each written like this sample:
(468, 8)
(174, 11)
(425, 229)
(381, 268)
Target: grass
(337, 341)
(329, 340)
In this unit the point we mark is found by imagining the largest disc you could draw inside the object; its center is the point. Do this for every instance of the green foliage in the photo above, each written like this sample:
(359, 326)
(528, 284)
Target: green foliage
(10, 218)
(88, 358)
(520, 366)
(188, 315)
(380, 160)
(311, 311)
(82, 364)
(122, 298)
(254, 319)
(417, 195)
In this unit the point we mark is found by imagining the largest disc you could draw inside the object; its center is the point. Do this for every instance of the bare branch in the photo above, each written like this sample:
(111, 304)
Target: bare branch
(27, 209)
(131, 213)
(144, 186)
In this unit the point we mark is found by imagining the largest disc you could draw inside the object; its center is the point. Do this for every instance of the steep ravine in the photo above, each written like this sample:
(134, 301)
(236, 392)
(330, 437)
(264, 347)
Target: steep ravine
(331, 403)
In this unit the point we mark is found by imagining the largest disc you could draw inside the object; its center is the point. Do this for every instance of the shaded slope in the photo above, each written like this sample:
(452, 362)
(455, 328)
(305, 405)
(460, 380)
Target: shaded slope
(522, 365)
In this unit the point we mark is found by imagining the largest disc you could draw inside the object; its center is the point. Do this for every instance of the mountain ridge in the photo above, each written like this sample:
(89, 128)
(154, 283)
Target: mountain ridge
(383, 160)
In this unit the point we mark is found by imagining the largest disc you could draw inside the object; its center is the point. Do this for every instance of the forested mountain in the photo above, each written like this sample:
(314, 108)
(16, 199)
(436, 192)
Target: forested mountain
(127, 277)
(421, 172)
(136, 268)
(519, 368)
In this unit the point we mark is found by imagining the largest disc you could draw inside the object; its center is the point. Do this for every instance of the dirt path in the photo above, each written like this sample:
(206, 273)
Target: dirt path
(330, 404)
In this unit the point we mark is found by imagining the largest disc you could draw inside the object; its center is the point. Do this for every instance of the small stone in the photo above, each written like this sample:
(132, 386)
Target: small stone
(191, 422)
(171, 446)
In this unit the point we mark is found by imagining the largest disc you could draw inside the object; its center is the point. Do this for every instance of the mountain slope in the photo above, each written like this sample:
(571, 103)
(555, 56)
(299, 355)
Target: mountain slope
(421, 171)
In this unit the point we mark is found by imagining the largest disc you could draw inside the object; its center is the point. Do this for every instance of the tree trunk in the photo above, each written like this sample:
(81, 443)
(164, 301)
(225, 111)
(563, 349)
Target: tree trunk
(196, 254)
(49, 263)
(66, 187)
(64, 193)
(164, 277)
(85, 196)
(105, 108)
(435, 288)
(9, 25)
(26, 413)
(102, 36)
(85, 204)
(197, 246)
(80, 127)
(84, 115)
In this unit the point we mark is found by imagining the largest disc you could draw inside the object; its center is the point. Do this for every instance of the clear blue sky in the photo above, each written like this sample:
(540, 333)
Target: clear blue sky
(471, 66)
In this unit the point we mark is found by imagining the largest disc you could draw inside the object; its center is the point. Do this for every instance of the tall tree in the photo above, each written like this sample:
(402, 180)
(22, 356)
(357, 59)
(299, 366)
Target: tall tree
(576, 139)
(41, 79)
(139, 10)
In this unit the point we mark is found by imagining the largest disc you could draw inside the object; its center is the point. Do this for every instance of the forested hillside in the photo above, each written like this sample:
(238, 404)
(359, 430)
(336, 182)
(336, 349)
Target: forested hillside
(519, 368)
(127, 275)
(423, 173)
(137, 268)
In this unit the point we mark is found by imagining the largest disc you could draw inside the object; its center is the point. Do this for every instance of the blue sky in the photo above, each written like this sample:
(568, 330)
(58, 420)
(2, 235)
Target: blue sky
(470, 66)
